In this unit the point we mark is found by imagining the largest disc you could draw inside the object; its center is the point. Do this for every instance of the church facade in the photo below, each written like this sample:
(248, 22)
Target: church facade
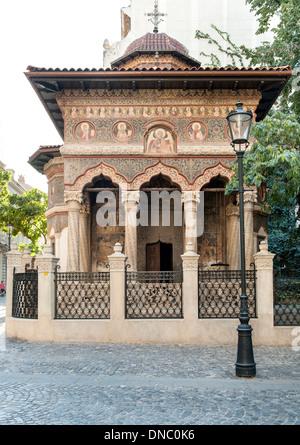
(155, 121)
(143, 242)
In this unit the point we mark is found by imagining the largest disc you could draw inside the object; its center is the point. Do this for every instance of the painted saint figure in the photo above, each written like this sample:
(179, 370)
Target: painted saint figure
(122, 132)
(86, 132)
(160, 141)
(196, 132)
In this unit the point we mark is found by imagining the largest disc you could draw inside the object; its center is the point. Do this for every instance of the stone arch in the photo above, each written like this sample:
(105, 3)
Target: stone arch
(160, 168)
(211, 172)
(100, 169)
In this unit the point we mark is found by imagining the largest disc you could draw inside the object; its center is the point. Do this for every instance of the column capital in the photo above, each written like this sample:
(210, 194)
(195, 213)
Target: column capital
(73, 195)
(232, 210)
(250, 196)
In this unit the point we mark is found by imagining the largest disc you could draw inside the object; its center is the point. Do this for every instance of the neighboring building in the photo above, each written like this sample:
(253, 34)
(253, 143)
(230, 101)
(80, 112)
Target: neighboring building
(183, 18)
(19, 187)
(154, 121)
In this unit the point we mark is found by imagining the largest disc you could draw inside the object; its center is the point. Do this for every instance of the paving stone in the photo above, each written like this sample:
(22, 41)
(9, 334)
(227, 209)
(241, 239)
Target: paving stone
(114, 384)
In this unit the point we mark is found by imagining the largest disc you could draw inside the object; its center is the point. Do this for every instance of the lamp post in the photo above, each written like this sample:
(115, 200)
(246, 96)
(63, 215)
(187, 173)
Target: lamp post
(9, 226)
(239, 122)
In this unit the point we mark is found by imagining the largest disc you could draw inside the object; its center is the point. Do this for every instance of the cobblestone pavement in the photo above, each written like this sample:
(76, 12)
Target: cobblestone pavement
(114, 384)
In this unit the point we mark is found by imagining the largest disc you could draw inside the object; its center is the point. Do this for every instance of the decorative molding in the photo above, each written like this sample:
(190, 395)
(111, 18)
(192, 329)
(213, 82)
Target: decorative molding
(211, 172)
(232, 210)
(93, 172)
(264, 263)
(189, 264)
(160, 168)
(118, 265)
(73, 195)
(46, 264)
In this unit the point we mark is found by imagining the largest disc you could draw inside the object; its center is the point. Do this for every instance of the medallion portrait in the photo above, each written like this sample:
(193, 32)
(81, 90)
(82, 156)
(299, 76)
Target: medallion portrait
(160, 141)
(85, 131)
(122, 131)
(196, 131)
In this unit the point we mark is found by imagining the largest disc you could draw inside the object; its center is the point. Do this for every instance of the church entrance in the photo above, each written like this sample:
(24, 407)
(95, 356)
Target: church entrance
(159, 257)
(160, 243)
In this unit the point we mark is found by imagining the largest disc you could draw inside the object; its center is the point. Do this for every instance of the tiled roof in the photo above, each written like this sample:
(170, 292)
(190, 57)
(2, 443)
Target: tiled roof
(33, 69)
(156, 42)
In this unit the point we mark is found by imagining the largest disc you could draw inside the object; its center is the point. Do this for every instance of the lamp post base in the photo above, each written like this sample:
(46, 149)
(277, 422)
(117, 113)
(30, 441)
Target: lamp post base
(245, 365)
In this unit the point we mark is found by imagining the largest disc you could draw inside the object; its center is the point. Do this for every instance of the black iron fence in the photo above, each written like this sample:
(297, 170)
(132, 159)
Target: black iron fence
(286, 300)
(82, 295)
(219, 293)
(153, 295)
(25, 295)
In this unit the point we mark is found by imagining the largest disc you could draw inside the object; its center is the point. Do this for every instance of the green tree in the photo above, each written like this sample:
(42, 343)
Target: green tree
(26, 213)
(283, 50)
(285, 46)
(274, 159)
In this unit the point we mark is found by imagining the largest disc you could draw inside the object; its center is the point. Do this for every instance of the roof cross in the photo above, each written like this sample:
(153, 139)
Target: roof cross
(155, 17)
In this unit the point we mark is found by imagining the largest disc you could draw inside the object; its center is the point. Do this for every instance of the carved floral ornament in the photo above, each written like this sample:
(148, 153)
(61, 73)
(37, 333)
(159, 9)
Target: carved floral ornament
(73, 191)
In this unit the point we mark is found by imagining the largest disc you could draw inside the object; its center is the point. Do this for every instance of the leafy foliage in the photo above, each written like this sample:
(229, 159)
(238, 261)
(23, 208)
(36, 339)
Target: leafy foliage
(274, 159)
(26, 213)
(285, 46)
(283, 50)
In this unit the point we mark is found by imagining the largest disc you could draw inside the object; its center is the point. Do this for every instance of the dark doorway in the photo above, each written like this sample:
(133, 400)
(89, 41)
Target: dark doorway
(159, 256)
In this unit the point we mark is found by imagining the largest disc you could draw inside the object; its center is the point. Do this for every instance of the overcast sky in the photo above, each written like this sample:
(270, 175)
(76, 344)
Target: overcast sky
(55, 34)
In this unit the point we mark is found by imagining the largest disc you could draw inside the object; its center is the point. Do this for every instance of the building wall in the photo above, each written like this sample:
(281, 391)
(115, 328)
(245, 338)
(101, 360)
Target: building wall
(183, 19)
(112, 134)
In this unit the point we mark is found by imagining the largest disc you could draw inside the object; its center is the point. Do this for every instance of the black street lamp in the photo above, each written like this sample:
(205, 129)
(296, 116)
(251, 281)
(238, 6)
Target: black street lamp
(239, 124)
(9, 226)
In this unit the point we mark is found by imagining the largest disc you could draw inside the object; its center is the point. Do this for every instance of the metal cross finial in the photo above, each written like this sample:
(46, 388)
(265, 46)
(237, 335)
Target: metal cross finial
(155, 17)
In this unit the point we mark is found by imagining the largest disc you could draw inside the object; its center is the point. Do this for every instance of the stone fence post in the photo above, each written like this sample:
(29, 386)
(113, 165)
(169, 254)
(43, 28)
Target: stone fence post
(46, 263)
(13, 263)
(190, 282)
(117, 283)
(264, 287)
(26, 259)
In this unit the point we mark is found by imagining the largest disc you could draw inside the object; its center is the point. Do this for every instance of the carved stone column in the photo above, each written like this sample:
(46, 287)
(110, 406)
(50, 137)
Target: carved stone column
(190, 283)
(191, 199)
(130, 200)
(73, 200)
(233, 236)
(264, 287)
(117, 284)
(250, 197)
(46, 263)
(84, 235)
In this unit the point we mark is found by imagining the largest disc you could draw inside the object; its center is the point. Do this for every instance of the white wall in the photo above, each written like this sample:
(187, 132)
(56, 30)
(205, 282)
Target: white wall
(184, 18)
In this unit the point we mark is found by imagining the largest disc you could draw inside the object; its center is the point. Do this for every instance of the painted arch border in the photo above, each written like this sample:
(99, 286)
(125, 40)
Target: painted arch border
(152, 170)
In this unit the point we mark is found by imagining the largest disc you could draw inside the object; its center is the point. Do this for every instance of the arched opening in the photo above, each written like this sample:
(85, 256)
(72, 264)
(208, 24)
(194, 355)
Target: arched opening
(160, 242)
(211, 246)
(104, 230)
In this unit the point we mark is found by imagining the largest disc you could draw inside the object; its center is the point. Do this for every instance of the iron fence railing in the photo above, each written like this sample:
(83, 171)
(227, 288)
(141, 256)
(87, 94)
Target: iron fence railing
(82, 295)
(153, 294)
(25, 295)
(286, 300)
(219, 293)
